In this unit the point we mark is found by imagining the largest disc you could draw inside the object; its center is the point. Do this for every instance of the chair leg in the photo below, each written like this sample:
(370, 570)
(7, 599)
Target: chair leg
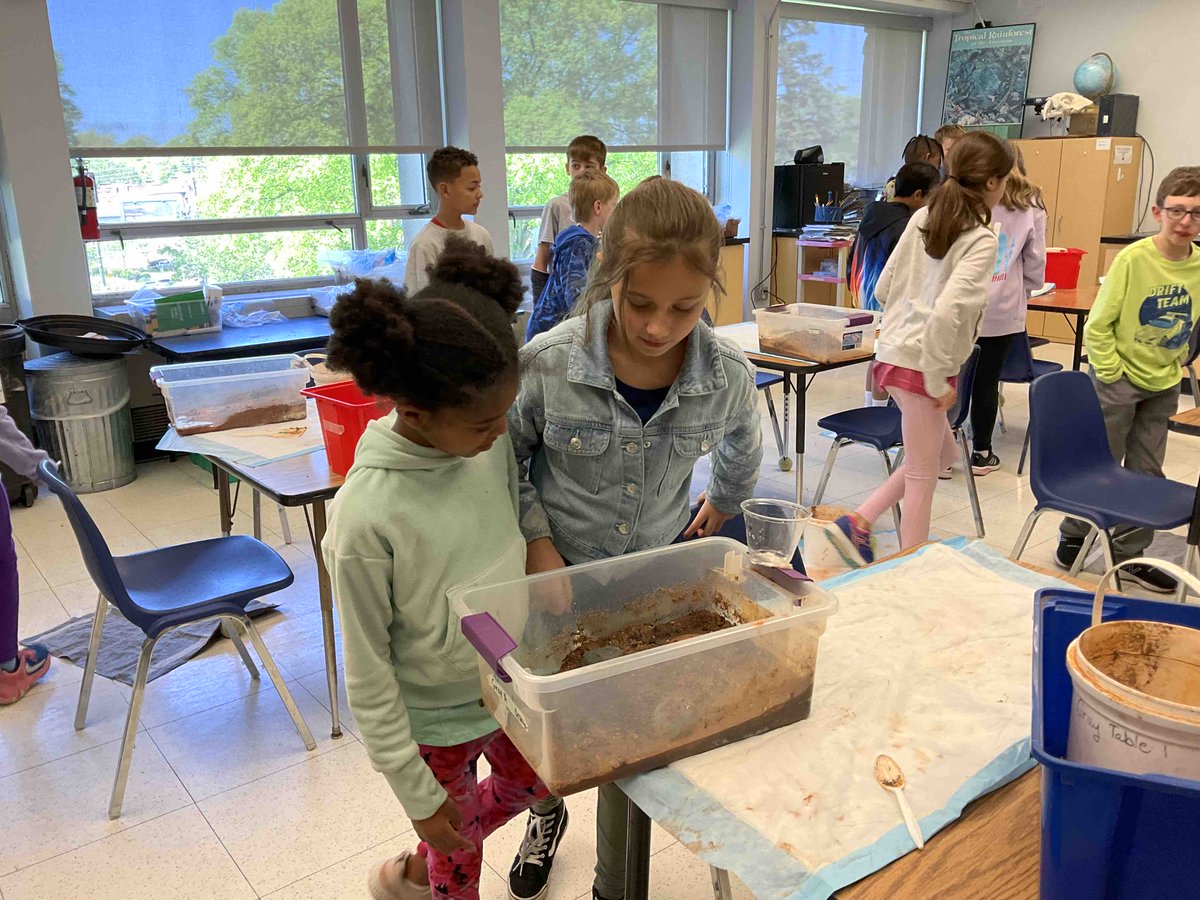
(1023, 537)
(1109, 557)
(722, 889)
(89, 668)
(1189, 566)
(1085, 550)
(972, 492)
(131, 726)
(775, 424)
(887, 473)
(232, 633)
(276, 679)
(285, 527)
(825, 473)
(256, 513)
(1024, 454)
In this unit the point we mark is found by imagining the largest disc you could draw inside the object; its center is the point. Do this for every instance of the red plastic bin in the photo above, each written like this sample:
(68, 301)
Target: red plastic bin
(1062, 266)
(345, 412)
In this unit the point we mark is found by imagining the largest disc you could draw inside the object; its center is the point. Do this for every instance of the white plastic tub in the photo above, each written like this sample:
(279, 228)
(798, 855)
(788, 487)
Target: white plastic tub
(640, 711)
(234, 393)
(820, 333)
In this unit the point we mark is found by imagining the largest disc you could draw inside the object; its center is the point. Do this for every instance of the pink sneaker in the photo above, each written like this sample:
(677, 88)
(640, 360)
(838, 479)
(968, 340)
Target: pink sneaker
(387, 881)
(33, 662)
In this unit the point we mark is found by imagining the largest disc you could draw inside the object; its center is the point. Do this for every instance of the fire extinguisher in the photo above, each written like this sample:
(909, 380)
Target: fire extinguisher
(85, 202)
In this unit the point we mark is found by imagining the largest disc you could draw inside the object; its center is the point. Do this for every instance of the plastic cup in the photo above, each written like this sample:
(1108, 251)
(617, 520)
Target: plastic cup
(773, 530)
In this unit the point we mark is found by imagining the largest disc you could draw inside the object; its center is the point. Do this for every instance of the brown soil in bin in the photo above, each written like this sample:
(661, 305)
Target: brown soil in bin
(637, 721)
(242, 418)
(633, 638)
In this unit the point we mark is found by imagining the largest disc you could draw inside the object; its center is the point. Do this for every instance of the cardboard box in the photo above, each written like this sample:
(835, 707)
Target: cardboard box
(1085, 122)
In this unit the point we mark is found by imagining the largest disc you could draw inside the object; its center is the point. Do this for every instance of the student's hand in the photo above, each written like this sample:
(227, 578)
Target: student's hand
(443, 830)
(542, 556)
(947, 399)
(708, 521)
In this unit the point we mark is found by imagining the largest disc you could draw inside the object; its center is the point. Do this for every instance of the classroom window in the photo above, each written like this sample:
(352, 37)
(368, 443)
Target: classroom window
(194, 116)
(850, 86)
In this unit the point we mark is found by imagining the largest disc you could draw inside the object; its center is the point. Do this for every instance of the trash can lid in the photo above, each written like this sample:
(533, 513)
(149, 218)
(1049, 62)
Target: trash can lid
(69, 363)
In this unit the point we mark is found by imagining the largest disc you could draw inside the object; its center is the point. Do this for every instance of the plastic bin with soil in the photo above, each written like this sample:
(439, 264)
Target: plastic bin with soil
(678, 703)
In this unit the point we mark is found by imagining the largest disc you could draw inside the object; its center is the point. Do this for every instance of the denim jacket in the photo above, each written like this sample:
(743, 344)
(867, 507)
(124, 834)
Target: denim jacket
(597, 481)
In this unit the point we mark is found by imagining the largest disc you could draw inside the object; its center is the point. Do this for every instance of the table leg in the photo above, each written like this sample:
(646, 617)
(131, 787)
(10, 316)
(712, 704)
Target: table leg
(637, 854)
(256, 513)
(223, 499)
(1077, 357)
(801, 412)
(326, 592)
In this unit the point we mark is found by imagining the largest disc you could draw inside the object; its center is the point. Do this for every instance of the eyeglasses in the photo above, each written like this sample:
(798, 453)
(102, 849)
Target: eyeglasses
(1178, 213)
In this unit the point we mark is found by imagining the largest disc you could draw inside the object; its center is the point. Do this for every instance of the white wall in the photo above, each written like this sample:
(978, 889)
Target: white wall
(44, 244)
(1146, 40)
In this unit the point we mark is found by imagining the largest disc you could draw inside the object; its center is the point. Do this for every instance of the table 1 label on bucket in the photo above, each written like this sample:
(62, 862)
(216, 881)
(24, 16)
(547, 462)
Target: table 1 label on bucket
(509, 704)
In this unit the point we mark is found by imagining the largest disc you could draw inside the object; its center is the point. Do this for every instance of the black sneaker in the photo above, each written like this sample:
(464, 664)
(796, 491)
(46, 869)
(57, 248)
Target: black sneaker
(984, 463)
(1068, 549)
(530, 873)
(1150, 578)
(596, 896)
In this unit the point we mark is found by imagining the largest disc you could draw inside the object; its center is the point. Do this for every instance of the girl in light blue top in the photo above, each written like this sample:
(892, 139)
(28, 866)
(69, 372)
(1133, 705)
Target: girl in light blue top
(615, 408)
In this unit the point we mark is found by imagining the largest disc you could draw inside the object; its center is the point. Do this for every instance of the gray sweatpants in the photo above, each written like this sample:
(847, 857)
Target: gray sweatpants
(1136, 422)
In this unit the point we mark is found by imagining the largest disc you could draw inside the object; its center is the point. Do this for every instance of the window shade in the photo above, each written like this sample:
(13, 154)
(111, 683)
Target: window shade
(159, 77)
(891, 84)
(640, 76)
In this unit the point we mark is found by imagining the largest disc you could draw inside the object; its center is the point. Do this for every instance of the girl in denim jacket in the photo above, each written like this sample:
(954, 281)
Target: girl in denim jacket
(616, 406)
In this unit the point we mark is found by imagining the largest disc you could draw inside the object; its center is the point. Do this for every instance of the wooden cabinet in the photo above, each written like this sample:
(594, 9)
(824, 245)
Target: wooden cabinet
(728, 309)
(1090, 186)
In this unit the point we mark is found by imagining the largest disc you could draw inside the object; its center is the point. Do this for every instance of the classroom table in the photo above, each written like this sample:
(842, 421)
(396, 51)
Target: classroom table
(292, 336)
(745, 335)
(996, 841)
(303, 480)
(1075, 303)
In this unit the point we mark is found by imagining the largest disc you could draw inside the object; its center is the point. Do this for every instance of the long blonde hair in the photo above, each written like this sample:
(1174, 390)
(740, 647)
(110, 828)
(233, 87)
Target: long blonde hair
(1020, 193)
(659, 220)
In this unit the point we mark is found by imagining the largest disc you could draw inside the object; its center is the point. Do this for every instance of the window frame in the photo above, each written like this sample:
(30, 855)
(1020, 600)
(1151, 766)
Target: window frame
(365, 207)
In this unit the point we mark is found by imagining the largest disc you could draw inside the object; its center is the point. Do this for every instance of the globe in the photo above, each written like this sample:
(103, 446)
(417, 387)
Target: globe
(1095, 76)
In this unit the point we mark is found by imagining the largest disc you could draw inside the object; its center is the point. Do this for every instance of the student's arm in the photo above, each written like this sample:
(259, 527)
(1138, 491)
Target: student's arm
(420, 258)
(1100, 330)
(541, 259)
(883, 284)
(526, 422)
(736, 459)
(1033, 254)
(957, 308)
(546, 235)
(362, 587)
(15, 450)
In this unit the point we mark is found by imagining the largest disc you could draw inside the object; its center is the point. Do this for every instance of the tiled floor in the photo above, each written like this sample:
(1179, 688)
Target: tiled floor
(223, 800)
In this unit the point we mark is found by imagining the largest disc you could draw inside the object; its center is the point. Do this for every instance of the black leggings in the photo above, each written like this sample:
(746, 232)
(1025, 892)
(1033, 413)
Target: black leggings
(985, 396)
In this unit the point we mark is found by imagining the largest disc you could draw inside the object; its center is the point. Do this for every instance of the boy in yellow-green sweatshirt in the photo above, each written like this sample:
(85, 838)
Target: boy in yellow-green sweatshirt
(1137, 336)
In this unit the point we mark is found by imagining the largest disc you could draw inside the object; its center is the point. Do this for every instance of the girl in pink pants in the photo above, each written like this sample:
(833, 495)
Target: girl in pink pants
(934, 289)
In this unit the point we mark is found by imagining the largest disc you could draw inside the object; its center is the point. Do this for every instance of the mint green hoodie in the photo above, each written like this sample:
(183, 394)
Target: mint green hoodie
(410, 524)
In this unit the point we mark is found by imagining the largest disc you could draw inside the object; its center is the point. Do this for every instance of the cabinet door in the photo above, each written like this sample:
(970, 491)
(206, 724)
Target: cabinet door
(1043, 161)
(1082, 185)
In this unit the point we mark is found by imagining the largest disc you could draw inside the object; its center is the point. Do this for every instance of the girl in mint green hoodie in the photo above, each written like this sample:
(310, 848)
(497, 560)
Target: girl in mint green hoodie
(430, 505)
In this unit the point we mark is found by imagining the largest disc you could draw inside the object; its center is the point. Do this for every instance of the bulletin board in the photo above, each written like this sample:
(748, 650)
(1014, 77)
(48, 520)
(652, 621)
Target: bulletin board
(988, 77)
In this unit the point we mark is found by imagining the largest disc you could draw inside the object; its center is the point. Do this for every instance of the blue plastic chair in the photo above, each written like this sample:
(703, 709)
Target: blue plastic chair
(878, 427)
(160, 590)
(764, 381)
(1073, 473)
(1022, 367)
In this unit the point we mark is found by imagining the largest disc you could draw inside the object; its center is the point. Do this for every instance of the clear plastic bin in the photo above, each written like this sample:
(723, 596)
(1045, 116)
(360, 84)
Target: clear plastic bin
(820, 333)
(234, 393)
(619, 716)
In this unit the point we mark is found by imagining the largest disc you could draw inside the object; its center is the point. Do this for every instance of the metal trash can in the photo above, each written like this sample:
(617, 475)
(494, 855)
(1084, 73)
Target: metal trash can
(80, 408)
(12, 395)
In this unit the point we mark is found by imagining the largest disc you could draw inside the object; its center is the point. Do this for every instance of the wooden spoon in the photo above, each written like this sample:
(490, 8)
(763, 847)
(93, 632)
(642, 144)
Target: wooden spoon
(890, 778)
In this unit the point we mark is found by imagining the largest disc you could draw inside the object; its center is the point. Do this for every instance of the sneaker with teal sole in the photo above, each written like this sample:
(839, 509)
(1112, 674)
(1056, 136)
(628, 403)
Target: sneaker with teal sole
(852, 543)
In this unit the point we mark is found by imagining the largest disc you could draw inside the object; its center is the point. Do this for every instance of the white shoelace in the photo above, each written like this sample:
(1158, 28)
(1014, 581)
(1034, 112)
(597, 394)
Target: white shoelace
(536, 841)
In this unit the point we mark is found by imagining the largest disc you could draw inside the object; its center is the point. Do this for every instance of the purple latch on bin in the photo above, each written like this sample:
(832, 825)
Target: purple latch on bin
(491, 640)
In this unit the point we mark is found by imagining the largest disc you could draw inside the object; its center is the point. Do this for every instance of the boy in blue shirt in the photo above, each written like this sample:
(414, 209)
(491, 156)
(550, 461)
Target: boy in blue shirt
(593, 196)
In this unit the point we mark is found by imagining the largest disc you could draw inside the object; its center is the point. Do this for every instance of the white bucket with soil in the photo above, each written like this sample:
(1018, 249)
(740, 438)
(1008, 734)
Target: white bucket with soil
(820, 554)
(1136, 701)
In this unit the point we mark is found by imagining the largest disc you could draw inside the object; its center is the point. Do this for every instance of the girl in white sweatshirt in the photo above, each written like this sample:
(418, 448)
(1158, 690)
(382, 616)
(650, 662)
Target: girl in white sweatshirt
(934, 289)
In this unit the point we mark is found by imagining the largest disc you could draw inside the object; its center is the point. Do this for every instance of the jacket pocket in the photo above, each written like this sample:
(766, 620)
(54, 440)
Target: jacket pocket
(686, 449)
(456, 650)
(577, 451)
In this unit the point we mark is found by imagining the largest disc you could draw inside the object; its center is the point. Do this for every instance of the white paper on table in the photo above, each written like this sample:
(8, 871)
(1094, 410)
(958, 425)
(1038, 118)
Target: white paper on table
(1045, 289)
(928, 661)
(254, 444)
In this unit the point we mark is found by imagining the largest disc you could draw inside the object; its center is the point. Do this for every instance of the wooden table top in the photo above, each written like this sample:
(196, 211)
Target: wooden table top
(1187, 422)
(296, 481)
(1078, 300)
(996, 842)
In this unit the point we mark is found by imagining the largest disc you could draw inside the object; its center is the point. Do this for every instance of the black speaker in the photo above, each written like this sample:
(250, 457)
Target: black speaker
(798, 188)
(1118, 115)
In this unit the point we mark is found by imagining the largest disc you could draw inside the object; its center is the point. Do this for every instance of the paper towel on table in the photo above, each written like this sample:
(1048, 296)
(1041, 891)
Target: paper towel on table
(253, 445)
(927, 660)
